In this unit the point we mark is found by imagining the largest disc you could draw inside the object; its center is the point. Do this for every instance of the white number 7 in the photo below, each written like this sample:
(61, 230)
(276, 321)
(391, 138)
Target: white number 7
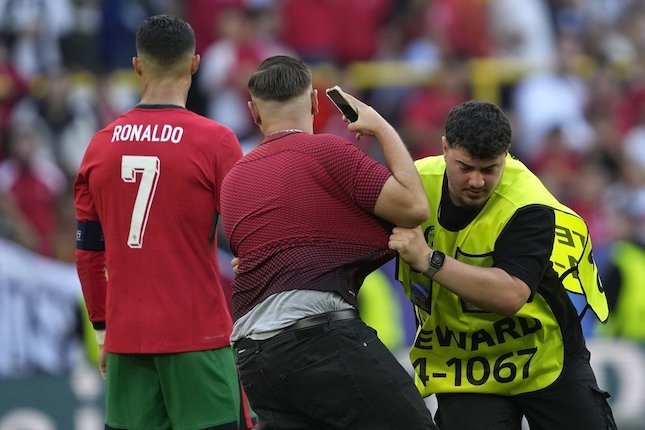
(148, 166)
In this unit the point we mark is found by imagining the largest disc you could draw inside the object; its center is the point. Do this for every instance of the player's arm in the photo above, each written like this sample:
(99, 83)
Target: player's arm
(90, 257)
(90, 265)
(228, 154)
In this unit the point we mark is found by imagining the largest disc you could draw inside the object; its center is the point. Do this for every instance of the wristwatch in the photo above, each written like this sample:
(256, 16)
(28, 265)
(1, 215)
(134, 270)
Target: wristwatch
(435, 261)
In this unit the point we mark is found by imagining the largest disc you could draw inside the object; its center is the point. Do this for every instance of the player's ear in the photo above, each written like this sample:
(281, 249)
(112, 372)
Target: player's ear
(254, 112)
(136, 63)
(444, 144)
(195, 64)
(314, 102)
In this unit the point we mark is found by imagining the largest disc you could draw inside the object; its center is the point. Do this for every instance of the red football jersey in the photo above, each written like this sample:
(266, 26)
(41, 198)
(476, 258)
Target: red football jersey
(152, 178)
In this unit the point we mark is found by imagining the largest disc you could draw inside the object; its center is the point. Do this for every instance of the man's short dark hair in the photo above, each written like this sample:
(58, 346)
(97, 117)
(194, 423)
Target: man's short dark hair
(280, 78)
(479, 127)
(165, 39)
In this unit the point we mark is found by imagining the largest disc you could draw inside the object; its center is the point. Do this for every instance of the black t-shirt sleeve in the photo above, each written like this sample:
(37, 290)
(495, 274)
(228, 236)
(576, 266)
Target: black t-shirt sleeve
(524, 247)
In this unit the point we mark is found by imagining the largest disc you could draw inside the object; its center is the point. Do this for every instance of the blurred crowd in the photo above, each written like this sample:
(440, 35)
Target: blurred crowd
(570, 74)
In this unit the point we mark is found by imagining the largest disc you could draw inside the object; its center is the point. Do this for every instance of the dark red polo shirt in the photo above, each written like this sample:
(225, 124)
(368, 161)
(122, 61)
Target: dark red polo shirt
(298, 211)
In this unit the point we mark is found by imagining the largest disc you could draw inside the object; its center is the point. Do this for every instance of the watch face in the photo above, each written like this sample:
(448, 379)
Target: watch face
(437, 258)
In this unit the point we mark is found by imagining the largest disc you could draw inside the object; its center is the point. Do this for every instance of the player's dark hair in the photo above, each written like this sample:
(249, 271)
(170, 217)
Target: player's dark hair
(479, 127)
(165, 39)
(280, 78)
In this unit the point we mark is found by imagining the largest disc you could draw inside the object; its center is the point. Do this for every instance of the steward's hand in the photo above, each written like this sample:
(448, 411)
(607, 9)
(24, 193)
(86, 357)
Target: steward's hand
(411, 246)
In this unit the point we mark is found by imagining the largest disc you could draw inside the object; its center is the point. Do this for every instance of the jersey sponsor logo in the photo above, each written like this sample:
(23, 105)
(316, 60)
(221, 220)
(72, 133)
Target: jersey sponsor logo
(147, 133)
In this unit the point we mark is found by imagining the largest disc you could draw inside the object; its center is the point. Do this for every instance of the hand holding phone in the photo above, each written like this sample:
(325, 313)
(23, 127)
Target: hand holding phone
(337, 96)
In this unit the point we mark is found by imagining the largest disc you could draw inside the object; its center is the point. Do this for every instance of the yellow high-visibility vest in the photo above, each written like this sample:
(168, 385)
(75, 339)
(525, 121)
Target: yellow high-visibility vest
(627, 319)
(459, 348)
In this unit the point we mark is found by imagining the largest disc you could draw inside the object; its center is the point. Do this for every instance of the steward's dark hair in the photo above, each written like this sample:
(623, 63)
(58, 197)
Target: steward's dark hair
(165, 38)
(280, 78)
(479, 127)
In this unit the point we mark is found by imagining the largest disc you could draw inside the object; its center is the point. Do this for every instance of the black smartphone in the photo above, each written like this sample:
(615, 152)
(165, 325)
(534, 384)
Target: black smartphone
(337, 96)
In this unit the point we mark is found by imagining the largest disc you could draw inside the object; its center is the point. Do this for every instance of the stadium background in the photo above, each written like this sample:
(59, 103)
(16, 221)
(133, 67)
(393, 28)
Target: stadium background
(569, 73)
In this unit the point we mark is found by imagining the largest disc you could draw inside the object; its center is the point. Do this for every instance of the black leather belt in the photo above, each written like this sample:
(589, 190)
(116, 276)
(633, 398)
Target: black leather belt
(347, 314)
(303, 323)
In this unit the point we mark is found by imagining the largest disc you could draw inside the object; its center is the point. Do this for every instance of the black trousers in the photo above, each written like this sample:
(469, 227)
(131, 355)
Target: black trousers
(572, 402)
(337, 375)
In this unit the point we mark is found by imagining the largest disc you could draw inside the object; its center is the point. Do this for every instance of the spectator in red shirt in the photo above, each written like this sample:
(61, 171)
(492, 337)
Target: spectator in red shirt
(424, 112)
(308, 215)
(12, 88)
(462, 26)
(30, 185)
(203, 16)
(310, 28)
(358, 26)
(227, 65)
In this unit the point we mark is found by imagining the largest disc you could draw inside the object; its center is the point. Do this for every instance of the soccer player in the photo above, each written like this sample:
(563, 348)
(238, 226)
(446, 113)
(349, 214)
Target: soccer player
(147, 203)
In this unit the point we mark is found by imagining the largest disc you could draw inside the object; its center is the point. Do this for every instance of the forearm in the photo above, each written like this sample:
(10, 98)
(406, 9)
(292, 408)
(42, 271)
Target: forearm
(90, 266)
(489, 288)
